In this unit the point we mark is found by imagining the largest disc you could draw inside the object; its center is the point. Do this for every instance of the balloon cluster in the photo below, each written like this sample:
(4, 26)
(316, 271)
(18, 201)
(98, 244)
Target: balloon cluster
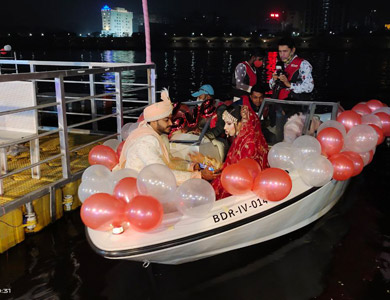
(270, 184)
(116, 200)
(342, 148)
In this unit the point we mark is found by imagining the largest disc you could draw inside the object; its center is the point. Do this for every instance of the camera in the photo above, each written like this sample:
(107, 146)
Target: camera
(280, 68)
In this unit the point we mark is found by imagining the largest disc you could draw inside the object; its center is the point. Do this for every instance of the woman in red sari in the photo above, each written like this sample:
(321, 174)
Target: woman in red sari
(249, 142)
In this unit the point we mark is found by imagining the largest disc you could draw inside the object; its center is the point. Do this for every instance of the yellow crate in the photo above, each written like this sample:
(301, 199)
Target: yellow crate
(11, 229)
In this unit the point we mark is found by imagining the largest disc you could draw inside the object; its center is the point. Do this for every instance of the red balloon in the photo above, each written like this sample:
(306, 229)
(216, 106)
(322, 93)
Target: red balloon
(357, 161)
(236, 179)
(379, 132)
(362, 109)
(343, 167)
(144, 213)
(251, 165)
(126, 189)
(374, 104)
(103, 155)
(119, 149)
(385, 120)
(272, 184)
(102, 211)
(349, 118)
(331, 141)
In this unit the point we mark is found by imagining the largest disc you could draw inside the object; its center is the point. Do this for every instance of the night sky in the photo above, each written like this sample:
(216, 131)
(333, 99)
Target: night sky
(84, 15)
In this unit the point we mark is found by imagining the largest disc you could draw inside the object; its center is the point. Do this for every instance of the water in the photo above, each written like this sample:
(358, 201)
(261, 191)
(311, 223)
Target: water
(344, 255)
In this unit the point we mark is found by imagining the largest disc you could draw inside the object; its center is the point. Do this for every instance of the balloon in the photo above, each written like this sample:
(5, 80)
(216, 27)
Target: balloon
(158, 181)
(380, 134)
(272, 184)
(361, 138)
(112, 143)
(343, 167)
(374, 104)
(332, 123)
(305, 146)
(102, 211)
(127, 129)
(331, 141)
(316, 171)
(367, 157)
(103, 155)
(349, 118)
(251, 165)
(372, 119)
(89, 188)
(119, 149)
(357, 161)
(96, 173)
(281, 156)
(383, 109)
(236, 179)
(385, 120)
(362, 109)
(195, 198)
(144, 213)
(126, 189)
(116, 176)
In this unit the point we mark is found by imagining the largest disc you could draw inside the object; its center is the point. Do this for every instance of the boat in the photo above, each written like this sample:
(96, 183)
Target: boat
(234, 222)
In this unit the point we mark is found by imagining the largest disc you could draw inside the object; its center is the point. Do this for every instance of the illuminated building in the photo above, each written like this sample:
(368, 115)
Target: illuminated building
(116, 22)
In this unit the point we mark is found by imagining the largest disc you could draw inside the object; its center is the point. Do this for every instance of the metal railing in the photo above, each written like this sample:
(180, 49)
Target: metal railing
(62, 83)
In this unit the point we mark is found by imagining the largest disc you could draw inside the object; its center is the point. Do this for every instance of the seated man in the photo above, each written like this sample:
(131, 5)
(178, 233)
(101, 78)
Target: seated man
(205, 92)
(144, 146)
(254, 100)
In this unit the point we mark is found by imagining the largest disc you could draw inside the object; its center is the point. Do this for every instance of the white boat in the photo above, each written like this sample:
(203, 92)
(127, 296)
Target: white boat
(234, 222)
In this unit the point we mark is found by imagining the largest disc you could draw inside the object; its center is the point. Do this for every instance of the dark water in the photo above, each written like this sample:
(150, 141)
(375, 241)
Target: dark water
(344, 255)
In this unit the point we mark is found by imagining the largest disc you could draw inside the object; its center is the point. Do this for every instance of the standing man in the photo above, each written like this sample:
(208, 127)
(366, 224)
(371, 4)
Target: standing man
(294, 79)
(254, 100)
(247, 74)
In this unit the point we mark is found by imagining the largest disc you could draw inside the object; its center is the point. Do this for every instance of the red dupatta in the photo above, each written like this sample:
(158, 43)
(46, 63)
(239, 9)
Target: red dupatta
(250, 143)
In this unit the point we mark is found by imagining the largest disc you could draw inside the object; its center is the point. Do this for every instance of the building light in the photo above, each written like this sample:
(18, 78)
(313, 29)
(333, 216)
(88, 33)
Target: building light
(42, 34)
(30, 34)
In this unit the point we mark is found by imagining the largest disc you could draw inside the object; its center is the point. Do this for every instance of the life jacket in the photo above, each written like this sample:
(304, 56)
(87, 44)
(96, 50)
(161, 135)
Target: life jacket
(292, 71)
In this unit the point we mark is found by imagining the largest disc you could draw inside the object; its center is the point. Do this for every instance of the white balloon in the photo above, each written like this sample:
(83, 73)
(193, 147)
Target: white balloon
(88, 188)
(281, 156)
(96, 173)
(304, 147)
(127, 129)
(372, 119)
(7, 48)
(383, 109)
(112, 143)
(158, 181)
(116, 176)
(316, 171)
(361, 138)
(195, 198)
(334, 124)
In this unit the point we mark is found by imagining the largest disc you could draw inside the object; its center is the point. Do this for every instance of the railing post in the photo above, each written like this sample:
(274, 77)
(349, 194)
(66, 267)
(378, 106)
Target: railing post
(34, 144)
(152, 85)
(62, 126)
(92, 92)
(119, 103)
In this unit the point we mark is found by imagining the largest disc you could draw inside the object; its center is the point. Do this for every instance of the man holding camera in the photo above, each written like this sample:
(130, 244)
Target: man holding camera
(292, 79)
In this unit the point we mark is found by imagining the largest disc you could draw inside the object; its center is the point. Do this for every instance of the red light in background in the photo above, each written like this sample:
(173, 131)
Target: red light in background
(272, 15)
(276, 15)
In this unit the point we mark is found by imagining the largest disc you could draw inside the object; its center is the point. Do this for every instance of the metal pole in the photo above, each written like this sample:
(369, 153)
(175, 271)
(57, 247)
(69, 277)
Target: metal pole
(147, 31)
(92, 91)
(62, 126)
(34, 144)
(151, 74)
(119, 104)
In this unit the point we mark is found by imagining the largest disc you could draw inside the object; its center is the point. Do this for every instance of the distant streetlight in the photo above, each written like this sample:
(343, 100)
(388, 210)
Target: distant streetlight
(165, 33)
(231, 34)
(201, 34)
(42, 34)
(30, 34)
(193, 33)
(80, 34)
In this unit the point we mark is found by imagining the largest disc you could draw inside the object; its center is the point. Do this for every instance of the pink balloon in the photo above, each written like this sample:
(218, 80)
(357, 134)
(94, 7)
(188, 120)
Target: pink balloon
(343, 167)
(102, 211)
(362, 109)
(357, 161)
(367, 157)
(372, 119)
(385, 120)
(251, 165)
(103, 155)
(144, 213)
(236, 179)
(374, 104)
(119, 149)
(331, 141)
(126, 189)
(272, 184)
(349, 118)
